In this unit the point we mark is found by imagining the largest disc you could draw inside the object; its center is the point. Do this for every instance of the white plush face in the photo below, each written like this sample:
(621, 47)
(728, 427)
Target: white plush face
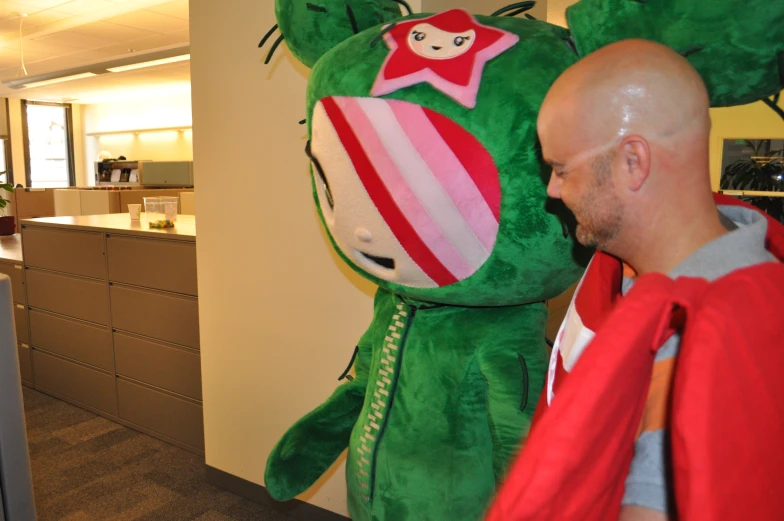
(353, 220)
(409, 196)
(433, 43)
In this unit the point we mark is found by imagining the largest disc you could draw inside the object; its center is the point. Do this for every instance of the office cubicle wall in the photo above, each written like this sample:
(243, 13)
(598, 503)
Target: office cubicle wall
(16, 486)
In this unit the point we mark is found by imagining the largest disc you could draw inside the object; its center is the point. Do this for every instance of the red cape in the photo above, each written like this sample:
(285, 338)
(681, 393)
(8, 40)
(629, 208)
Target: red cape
(727, 410)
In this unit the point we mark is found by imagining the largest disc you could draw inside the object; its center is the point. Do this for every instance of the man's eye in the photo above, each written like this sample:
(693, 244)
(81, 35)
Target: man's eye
(459, 41)
(419, 36)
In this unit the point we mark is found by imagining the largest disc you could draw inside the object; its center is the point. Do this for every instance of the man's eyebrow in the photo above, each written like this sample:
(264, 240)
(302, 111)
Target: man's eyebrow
(552, 162)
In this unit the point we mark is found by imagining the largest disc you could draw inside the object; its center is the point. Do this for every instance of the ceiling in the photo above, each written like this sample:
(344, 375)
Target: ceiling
(62, 34)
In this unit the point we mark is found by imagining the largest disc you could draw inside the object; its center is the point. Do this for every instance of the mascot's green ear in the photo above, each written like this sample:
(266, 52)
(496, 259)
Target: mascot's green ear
(311, 28)
(737, 46)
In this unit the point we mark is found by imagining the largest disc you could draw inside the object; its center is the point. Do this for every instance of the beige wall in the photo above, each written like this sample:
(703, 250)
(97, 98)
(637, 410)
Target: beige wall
(756, 120)
(279, 316)
(163, 111)
(484, 7)
(82, 173)
(17, 140)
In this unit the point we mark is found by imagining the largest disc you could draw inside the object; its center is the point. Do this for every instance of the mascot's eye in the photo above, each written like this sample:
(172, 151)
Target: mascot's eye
(322, 177)
(460, 41)
(419, 36)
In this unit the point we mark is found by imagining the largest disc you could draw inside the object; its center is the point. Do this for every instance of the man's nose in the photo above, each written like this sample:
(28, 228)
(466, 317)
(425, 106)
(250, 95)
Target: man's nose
(554, 186)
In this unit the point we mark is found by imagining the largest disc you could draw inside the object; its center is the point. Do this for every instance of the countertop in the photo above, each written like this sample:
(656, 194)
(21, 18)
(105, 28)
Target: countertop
(11, 248)
(184, 229)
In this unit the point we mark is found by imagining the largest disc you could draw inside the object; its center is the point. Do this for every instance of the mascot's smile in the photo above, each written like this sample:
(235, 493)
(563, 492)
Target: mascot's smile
(405, 192)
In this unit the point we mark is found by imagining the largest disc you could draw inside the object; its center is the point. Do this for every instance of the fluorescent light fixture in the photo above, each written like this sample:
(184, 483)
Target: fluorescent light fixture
(59, 80)
(171, 54)
(152, 63)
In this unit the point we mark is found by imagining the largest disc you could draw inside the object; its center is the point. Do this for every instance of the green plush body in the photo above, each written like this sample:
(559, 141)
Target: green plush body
(463, 378)
(463, 384)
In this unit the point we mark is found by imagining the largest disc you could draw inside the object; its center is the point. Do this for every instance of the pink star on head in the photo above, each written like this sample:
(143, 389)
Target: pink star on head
(448, 50)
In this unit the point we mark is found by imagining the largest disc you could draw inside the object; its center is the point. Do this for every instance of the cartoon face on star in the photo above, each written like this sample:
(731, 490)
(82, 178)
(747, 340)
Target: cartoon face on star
(433, 43)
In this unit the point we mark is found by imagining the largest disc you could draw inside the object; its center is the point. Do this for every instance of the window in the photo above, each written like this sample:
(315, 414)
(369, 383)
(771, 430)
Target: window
(48, 136)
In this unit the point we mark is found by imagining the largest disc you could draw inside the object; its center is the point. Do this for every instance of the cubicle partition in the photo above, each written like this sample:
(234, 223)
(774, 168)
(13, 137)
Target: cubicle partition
(16, 486)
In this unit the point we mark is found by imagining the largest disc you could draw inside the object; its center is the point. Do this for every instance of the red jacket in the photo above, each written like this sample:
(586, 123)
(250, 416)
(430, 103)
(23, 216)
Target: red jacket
(726, 416)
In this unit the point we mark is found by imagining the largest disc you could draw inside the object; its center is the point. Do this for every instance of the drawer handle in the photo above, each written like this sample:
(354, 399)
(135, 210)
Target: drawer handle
(25, 346)
(20, 306)
(17, 266)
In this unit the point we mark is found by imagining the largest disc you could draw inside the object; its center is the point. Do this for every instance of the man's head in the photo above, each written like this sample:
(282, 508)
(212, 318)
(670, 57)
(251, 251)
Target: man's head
(625, 130)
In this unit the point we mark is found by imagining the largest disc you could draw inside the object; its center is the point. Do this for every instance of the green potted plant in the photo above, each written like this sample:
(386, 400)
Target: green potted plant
(7, 222)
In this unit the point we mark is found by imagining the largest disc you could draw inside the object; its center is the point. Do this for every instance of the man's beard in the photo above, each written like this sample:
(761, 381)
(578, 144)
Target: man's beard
(600, 211)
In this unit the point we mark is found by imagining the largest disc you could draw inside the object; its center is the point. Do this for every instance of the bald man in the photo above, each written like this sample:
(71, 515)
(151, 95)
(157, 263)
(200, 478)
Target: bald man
(626, 133)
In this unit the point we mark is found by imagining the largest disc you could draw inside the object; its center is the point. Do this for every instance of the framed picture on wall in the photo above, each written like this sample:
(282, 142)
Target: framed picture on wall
(753, 170)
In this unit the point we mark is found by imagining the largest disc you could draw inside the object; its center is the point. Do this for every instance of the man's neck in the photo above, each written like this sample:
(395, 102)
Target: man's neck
(671, 241)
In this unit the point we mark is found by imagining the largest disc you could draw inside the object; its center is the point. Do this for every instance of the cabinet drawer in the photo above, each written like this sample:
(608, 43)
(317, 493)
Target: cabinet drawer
(76, 382)
(79, 298)
(16, 273)
(158, 315)
(20, 319)
(83, 342)
(25, 364)
(162, 413)
(157, 264)
(78, 253)
(163, 366)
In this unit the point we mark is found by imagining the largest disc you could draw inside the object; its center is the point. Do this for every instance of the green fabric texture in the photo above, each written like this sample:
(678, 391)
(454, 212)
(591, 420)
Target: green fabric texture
(741, 43)
(312, 28)
(532, 260)
(462, 391)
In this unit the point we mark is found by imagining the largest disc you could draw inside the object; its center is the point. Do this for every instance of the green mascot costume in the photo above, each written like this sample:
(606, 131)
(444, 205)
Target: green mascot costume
(429, 182)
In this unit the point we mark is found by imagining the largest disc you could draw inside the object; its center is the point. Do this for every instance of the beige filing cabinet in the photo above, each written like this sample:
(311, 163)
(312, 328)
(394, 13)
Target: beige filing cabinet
(11, 264)
(137, 196)
(114, 321)
(33, 202)
(85, 202)
(188, 203)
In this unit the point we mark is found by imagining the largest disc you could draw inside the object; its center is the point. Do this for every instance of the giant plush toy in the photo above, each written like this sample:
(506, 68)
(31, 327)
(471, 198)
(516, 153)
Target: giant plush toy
(429, 182)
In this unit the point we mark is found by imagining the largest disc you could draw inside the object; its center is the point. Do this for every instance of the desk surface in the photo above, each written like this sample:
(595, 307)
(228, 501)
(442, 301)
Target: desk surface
(184, 229)
(11, 248)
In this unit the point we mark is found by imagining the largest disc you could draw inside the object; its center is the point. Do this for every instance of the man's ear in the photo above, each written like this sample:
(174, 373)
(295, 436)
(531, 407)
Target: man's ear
(636, 156)
(737, 47)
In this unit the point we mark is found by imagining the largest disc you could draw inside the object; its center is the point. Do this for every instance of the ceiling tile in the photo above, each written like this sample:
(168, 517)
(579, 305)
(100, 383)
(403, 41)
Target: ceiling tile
(48, 47)
(111, 32)
(12, 9)
(76, 7)
(143, 44)
(37, 5)
(42, 18)
(149, 21)
(177, 9)
(72, 39)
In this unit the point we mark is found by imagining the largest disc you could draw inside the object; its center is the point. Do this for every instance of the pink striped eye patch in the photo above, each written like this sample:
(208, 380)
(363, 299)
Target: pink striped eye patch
(433, 182)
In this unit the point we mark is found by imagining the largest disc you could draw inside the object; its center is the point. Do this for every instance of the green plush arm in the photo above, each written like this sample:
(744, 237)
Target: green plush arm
(514, 365)
(737, 47)
(313, 444)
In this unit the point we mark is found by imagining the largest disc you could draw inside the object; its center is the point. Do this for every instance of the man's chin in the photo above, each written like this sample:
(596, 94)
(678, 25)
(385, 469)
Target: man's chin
(585, 237)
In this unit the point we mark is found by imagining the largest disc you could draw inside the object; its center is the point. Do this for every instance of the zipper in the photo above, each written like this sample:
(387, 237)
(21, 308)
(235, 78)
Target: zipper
(385, 385)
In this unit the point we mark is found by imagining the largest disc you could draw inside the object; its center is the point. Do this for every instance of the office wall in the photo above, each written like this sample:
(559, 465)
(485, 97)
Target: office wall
(484, 7)
(138, 114)
(755, 121)
(17, 140)
(279, 315)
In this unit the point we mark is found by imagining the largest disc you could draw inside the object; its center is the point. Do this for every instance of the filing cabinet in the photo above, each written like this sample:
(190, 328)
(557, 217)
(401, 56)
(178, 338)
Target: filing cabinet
(113, 324)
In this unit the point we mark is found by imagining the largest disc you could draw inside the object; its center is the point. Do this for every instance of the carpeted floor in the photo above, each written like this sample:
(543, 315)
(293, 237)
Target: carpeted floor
(88, 468)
